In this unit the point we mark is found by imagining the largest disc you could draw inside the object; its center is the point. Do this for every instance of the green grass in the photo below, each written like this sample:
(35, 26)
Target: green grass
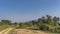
(4, 26)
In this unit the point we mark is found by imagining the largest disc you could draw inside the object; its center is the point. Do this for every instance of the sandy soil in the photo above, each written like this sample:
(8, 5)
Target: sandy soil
(6, 31)
(22, 31)
(26, 31)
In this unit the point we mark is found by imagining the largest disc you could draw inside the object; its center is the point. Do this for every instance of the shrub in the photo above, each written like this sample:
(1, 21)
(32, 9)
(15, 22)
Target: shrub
(22, 25)
(50, 28)
(45, 27)
(29, 25)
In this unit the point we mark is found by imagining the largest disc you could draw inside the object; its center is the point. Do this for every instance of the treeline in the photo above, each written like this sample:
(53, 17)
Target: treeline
(6, 24)
(47, 23)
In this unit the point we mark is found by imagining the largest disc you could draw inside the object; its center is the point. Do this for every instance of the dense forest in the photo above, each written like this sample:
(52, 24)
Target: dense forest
(45, 23)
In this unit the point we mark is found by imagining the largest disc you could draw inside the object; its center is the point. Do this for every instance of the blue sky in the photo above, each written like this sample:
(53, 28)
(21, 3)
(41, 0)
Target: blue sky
(25, 10)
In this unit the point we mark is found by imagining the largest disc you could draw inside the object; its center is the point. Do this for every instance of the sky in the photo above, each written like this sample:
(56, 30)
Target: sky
(25, 10)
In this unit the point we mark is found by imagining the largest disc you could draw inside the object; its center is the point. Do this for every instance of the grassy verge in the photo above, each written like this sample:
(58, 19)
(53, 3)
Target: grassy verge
(2, 27)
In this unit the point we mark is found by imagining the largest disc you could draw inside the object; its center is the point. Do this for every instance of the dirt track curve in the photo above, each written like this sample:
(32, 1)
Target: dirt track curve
(22, 31)
(6, 31)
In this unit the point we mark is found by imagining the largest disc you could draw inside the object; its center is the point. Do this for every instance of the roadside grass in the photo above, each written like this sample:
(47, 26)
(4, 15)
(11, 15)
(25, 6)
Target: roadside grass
(4, 26)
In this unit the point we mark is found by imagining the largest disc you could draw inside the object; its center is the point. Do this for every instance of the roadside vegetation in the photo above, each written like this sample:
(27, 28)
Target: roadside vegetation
(6, 24)
(45, 23)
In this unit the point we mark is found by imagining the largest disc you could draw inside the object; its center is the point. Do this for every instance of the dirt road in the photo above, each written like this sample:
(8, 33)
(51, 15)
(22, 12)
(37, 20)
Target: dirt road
(22, 31)
(26, 31)
(6, 31)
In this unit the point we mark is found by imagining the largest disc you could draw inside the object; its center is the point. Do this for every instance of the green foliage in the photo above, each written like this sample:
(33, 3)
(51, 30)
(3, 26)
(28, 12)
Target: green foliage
(47, 23)
(5, 24)
(22, 25)
(45, 27)
(6, 21)
(49, 19)
(29, 25)
(15, 23)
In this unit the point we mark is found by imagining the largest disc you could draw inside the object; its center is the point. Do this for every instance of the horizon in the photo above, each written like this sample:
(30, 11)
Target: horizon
(26, 10)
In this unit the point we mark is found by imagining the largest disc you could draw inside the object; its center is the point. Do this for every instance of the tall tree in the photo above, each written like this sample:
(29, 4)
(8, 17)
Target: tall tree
(55, 19)
(40, 20)
(43, 19)
(49, 19)
(6, 21)
(33, 22)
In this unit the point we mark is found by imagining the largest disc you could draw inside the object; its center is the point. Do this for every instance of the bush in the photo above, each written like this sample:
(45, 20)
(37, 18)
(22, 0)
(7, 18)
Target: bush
(56, 30)
(45, 27)
(50, 28)
(29, 25)
(22, 25)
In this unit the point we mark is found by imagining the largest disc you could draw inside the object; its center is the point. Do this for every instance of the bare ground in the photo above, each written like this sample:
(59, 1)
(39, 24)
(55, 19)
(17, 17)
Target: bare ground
(22, 31)
(26, 31)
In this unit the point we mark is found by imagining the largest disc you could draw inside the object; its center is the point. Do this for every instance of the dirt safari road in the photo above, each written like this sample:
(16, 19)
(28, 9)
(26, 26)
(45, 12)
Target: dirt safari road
(26, 31)
(22, 31)
(6, 31)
